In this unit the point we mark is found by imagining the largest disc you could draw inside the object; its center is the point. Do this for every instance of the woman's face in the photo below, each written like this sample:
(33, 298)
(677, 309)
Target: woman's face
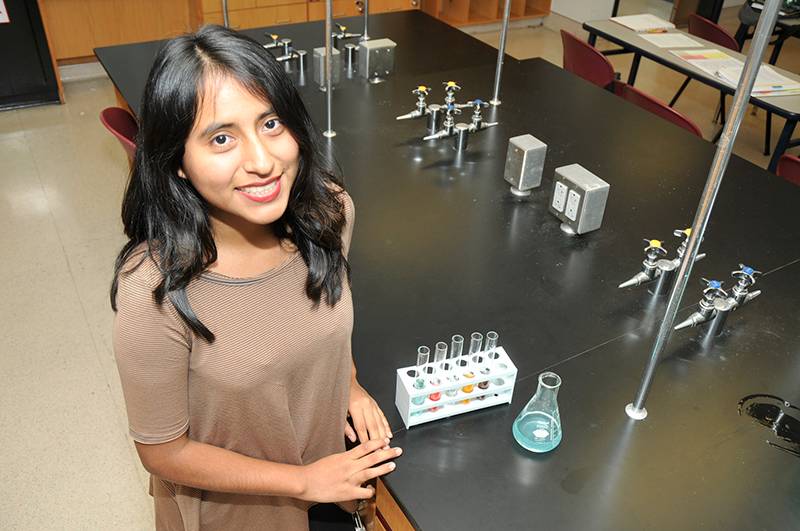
(239, 156)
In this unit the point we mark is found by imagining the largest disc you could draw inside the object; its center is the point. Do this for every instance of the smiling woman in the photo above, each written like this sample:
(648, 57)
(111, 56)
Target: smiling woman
(233, 308)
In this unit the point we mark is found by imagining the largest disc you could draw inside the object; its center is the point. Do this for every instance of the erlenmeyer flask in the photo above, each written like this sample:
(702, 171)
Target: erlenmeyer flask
(538, 426)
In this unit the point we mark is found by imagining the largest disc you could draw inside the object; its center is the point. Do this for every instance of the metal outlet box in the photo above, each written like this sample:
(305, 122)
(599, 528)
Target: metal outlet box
(579, 198)
(524, 163)
(319, 66)
(376, 58)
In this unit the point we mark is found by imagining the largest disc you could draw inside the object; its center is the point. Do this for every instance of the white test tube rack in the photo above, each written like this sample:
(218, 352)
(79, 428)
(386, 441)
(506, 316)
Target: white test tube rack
(501, 377)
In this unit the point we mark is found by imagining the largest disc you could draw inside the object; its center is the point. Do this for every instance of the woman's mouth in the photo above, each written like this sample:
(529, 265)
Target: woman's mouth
(262, 193)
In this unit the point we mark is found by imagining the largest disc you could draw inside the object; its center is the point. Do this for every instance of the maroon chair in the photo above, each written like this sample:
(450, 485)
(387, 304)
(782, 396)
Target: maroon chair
(648, 103)
(583, 60)
(710, 31)
(122, 125)
(789, 168)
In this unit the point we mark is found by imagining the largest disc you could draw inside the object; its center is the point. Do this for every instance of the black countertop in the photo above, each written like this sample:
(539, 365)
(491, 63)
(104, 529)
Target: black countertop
(441, 247)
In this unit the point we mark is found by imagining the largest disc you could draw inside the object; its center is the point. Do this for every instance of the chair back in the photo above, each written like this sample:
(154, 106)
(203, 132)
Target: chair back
(648, 103)
(710, 31)
(583, 60)
(789, 168)
(123, 126)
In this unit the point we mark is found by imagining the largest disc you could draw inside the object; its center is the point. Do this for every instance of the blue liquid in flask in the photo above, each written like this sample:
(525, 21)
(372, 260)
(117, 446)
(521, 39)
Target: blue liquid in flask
(537, 432)
(538, 426)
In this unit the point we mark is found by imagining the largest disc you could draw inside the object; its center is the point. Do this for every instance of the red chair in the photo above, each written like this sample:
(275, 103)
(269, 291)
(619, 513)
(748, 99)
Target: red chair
(122, 125)
(648, 103)
(789, 168)
(583, 60)
(710, 31)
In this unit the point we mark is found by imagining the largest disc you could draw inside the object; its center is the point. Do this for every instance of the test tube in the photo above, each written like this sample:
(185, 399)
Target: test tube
(438, 360)
(456, 348)
(491, 345)
(423, 355)
(476, 340)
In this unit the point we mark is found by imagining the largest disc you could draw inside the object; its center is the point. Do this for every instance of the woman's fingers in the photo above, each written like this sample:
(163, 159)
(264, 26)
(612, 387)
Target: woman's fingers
(374, 427)
(363, 493)
(367, 448)
(360, 425)
(370, 460)
(371, 473)
(348, 432)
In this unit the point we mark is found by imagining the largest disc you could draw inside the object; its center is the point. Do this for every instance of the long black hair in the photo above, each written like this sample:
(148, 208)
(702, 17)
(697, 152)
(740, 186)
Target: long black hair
(167, 214)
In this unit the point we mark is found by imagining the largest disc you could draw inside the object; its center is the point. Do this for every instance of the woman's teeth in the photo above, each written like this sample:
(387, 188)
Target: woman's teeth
(260, 190)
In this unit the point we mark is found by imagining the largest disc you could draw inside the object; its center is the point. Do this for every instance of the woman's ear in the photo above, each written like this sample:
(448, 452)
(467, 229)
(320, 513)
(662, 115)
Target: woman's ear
(181, 173)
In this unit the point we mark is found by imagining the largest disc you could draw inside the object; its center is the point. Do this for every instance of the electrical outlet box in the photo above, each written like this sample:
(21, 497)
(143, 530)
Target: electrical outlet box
(376, 58)
(319, 66)
(579, 199)
(524, 163)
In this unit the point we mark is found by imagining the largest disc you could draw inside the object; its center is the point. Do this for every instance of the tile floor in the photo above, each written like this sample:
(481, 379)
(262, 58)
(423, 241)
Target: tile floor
(66, 460)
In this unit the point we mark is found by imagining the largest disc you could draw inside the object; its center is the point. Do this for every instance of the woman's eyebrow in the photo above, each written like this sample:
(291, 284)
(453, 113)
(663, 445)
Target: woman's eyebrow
(217, 125)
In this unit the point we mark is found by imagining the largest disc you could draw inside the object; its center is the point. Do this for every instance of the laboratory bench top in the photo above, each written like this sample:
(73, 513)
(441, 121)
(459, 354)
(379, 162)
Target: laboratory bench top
(442, 247)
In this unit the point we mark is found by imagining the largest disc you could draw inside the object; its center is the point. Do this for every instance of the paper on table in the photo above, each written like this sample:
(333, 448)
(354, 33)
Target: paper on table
(671, 40)
(768, 82)
(709, 61)
(644, 23)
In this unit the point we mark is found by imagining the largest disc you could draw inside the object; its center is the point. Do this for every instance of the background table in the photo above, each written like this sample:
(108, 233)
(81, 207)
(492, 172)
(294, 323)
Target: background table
(441, 247)
(787, 107)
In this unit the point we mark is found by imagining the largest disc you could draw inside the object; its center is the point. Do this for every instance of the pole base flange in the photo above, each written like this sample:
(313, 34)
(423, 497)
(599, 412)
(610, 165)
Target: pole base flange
(635, 414)
(495, 102)
(329, 133)
(520, 193)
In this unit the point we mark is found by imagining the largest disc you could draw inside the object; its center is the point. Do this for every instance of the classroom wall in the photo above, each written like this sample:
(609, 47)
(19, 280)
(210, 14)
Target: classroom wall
(583, 10)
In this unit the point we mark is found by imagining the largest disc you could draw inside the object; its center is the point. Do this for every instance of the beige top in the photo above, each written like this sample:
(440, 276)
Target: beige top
(274, 385)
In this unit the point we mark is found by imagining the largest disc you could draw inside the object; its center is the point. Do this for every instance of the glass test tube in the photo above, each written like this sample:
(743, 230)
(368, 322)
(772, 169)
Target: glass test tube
(475, 342)
(423, 354)
(489, 347)
(438, 360)
(456, 348)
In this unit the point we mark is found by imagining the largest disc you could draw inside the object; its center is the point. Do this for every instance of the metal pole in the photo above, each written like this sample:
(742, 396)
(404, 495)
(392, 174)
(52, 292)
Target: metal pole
(615, 8)
(329, 132)
(225, 20)
(761, 37)
(501, 51)
(365, 36)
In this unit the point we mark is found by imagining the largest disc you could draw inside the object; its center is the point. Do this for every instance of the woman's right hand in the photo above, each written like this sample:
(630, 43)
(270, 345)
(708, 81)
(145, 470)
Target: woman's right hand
(339, 477)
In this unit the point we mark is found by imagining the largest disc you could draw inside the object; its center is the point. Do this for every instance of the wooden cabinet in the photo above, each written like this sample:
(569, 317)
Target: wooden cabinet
(341, 8)
(76, 27)
(471, 12)
(389, 516)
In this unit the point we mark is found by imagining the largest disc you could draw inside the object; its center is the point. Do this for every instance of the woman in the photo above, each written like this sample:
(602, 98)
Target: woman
(232, 299)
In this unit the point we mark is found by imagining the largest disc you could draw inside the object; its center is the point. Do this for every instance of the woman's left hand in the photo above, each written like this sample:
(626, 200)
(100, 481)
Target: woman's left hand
(367, 417)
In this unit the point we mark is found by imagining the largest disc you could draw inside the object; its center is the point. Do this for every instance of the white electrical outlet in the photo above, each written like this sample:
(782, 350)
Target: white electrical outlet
(559, 196)
(573, 200)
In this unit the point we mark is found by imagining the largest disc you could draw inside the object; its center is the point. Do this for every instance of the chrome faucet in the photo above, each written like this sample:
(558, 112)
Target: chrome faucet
(650, 271)
(717, 304)
(342, 34)
(421, 92)
(449, 124)
(477, 118)
(274, 41)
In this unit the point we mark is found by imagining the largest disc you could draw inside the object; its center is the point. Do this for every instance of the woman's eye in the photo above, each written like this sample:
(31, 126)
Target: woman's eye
(272, 125)
(220, 140)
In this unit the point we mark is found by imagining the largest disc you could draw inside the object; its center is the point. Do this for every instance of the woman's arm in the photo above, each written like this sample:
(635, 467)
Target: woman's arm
(334, 478)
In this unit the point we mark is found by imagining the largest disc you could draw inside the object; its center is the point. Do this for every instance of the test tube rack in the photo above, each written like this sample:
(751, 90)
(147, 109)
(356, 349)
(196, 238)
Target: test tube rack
(491, 383)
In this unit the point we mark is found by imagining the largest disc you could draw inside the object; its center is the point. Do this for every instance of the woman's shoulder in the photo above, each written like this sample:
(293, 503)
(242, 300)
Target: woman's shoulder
(140, 270)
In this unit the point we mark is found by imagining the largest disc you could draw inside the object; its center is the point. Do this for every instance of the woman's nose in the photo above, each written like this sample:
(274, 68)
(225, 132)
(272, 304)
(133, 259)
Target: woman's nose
(259, 159)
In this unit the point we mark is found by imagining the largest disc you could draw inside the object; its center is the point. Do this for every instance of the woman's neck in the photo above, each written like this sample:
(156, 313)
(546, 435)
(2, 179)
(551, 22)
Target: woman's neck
(245, 249)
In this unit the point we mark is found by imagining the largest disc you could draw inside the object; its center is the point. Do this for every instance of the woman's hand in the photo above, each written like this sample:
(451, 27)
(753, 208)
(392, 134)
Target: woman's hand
(367, 417)
(338, 477)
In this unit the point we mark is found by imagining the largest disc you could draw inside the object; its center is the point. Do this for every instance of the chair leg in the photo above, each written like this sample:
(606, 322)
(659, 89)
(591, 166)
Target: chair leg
(741, 34)
(717, 136)
(720, 109)
(768, 134)
(680, 91)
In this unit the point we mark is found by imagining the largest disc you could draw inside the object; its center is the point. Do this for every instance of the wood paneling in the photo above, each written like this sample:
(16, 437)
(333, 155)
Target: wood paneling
(388, 510)
(341, 8)
(78, 26)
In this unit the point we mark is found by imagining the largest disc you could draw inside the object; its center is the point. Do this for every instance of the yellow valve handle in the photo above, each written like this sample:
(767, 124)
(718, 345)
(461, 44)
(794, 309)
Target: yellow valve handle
(655, 243)
(274, 36)
(422, 88)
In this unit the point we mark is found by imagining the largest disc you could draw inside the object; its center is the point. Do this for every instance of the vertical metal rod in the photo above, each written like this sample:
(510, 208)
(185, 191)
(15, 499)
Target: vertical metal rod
(761, 37)
(329, 132)
(225, 21)
(501, 51)
(365, 36)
